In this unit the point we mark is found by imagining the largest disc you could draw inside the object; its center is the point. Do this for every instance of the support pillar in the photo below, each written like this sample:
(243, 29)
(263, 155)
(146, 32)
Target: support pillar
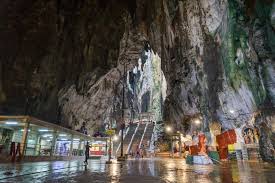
(24, 137)
(79, 148)
(180, 146)
(172, 147)
(109, 150)
(53, 143)
(71, 146)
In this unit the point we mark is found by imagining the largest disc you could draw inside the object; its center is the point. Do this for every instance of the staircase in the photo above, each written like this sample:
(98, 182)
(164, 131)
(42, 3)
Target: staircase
(145, 143)
(126, 140)
(137, 138)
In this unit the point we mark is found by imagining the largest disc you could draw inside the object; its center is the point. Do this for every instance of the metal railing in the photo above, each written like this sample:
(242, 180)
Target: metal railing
(132, 138)
(124, 135)
(141, 140)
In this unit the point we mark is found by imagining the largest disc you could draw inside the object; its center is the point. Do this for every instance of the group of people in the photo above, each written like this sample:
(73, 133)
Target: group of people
(139, 153)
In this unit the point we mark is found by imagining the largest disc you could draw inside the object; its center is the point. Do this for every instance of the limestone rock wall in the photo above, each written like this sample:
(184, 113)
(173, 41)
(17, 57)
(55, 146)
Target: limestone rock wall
(63, 60)
(48, 45)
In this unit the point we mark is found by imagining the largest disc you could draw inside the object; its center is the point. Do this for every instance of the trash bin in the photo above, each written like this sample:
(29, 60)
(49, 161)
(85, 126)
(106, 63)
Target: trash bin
(189, 159)
(214, 155)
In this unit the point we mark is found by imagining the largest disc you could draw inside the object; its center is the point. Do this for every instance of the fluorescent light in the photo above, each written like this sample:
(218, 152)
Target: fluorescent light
(11, 123)
(49, 140)
(47, 135)
(23, 130)
(76, 139)
(62, 135)
(43, 130)
(63, 139)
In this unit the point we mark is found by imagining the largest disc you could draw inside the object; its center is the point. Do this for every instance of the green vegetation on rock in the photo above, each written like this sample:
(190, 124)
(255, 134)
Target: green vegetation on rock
(239, 68)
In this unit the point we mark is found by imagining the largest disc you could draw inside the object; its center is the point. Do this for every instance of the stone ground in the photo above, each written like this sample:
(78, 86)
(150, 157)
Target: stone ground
(139, 171)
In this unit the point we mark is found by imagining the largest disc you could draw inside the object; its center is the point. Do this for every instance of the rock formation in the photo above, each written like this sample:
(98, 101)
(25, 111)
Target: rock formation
(63, 61)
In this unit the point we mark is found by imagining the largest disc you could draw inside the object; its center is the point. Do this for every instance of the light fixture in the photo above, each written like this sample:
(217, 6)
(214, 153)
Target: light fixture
(63, 139)
(62, 135)
(43, 130)
(168, 129)
(31, 141)
(49, 140)
(47, 135)
(11, 122)
(197, 121)
(76, 139)
(231, 111)
(24, 130)
(115, 138)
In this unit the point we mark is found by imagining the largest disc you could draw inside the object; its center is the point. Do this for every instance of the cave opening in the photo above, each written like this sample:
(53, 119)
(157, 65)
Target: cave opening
(146, 86)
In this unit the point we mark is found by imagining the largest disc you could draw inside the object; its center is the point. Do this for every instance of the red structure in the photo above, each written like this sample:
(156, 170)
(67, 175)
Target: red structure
(223, 140)
(201, 144)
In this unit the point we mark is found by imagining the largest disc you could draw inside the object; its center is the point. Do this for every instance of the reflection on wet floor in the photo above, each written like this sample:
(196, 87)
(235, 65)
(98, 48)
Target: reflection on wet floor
(146, 170)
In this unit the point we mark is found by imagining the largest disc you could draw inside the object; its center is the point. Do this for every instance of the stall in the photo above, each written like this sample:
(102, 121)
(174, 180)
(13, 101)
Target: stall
(98, 147)
(25, 136)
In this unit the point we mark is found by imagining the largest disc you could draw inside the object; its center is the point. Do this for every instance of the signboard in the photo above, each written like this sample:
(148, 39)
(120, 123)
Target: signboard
(110, 132)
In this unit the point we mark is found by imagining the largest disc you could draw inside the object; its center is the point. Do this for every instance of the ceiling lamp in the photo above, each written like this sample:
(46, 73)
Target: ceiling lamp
(43, 130)
(11, 123)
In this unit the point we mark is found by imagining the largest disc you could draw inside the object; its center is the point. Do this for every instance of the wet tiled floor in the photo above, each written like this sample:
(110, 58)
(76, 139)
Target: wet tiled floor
(146, 170)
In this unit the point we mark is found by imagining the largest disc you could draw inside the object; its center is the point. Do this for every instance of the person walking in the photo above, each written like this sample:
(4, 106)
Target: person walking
(87, 153)
(141, 153)
(137, 154)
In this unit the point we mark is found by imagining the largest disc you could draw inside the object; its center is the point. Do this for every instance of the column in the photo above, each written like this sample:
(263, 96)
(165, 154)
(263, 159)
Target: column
(180, 146)
(53, 143)
(39, 147)
(23, 145)
(112, 147)
(79, 147)
(172, 147)
(71, 146)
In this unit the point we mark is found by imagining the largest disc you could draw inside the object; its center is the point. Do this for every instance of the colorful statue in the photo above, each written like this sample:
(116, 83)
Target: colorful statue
(256, 135)
(250, 136)
(246, 139)
(202, 144)
(215, 129)
(195, 139)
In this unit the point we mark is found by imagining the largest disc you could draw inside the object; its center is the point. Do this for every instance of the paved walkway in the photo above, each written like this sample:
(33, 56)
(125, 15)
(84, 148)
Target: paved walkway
(135, 171)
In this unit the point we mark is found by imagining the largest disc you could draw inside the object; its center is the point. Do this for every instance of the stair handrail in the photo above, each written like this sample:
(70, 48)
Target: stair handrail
(141, 140)
(131, 141)
(152, 146)
(126, 132)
